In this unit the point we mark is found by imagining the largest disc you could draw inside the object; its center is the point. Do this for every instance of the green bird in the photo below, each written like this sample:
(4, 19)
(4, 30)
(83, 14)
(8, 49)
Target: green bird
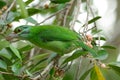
(55, 38)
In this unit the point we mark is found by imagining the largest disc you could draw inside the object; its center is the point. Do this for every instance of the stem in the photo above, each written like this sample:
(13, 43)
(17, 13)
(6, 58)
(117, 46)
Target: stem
(87, 18)
(51, 16)
(69, 6)
(76, 13)
(24, 12)
(45, 71)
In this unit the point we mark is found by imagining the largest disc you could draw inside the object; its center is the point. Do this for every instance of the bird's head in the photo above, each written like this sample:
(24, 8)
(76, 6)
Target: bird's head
(20, 32)
(22, 29)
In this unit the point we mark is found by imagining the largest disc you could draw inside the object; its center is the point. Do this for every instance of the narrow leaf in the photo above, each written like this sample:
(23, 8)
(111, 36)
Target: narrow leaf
(4, 44)
(28, 2)
(32, 11)
(3, 65)
(101, 38)
(16, 68)
(94, 19)
(96, 74)
(83, 77)
(28, 73)
(102, 54)
(11, 16)
(40, 56)
(78, 21)
(108, 47)
(115, 68)
(96, 31)
(23, 10)
(16, 52)
(31, 20)
(25, 48)
(117, 63)
(5, 53)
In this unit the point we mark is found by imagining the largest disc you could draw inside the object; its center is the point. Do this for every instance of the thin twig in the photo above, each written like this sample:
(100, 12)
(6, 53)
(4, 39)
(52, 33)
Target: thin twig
(87, 18)
(10, 7)
(5, 73)
(19, 76)
(69, 66)
(76, 13)
(7, 11)
(99, 41)
(30, 56)
(86, 23)
(69, 5)
(51, 16)
(4, 16)
(95, 25)
(46, 70)
(89, 29)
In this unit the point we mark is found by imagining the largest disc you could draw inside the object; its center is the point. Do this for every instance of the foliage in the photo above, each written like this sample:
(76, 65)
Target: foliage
(22, 60)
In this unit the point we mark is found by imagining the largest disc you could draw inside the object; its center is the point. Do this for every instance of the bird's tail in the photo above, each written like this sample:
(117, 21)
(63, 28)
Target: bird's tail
(85, 47)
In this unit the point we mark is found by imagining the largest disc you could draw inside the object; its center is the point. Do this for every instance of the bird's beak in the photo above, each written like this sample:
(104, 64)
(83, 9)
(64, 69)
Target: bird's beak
(11, 36)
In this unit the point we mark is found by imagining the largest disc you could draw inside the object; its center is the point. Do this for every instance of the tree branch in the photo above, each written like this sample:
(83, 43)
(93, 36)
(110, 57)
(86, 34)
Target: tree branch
(46, 70)
(76, 13)
(51, 16)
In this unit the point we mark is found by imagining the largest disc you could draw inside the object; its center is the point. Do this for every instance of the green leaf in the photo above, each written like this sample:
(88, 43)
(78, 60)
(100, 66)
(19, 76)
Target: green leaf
(39, 65)
(32, 11)
(115, 68)
(59, 1)
(5, 53)
(75, 55)
(31, 20)
(3, 44)
(83, 77)
(1, 77)
(78, 21)
(28, 2)
(16, 52)
(102, 54)
(51, 57)
(16, 68)
(95, 31)
(11, 16)
(52, 72)
(28, 73)
(115, 63)
(40, 56)
(3, 65)
(2, 4)
(25, 48)
(2, 23)
(94, 19)
(23, 10)
(101, 38)
(108, 47)
(96, 74)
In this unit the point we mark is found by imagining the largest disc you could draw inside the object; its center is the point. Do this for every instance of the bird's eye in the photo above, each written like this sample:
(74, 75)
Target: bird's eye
(17, 30)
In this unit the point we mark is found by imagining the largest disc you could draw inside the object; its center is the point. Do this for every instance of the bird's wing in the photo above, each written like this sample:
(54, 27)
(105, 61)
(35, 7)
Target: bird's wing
(57, 34)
